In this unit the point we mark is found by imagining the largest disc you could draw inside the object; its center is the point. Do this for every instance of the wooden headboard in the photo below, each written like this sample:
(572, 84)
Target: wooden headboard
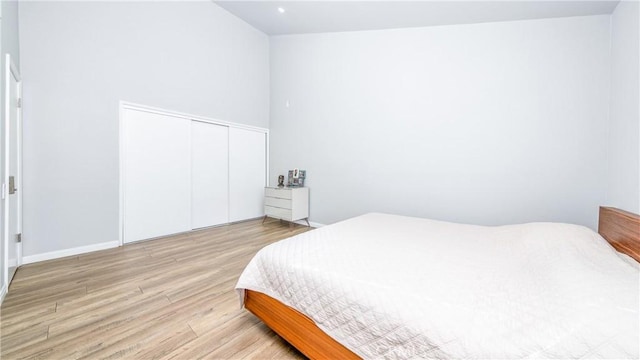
(621, 229)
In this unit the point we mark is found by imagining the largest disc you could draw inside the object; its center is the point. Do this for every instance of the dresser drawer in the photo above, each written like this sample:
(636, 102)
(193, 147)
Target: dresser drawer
(277, 212)
(278, 193)
(277, 202)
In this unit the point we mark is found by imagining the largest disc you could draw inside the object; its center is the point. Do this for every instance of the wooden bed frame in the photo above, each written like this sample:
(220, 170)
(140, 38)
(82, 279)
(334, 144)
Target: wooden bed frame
(620, 228)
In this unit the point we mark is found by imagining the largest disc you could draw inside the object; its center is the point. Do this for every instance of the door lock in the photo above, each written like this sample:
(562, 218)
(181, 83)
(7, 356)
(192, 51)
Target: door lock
(12, 185)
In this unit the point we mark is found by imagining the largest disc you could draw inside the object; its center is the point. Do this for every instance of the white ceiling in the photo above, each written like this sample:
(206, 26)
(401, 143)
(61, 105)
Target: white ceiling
(330, 16)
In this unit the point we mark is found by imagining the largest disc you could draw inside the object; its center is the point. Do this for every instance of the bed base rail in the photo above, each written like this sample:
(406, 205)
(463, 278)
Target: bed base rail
(296, 328)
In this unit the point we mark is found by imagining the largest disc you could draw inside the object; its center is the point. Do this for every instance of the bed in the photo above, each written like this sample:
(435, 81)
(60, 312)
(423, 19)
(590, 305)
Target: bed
(385, 286)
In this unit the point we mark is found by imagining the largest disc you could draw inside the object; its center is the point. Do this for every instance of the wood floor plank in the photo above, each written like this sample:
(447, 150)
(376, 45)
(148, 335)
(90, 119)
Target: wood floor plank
(238, 347)
(162, 347)
(73, 335)
(35, 299)
(167, 298)
(204, 345)
(25, 337)
(26, 315)
(277, 348)
(224, 307)
(94, 300)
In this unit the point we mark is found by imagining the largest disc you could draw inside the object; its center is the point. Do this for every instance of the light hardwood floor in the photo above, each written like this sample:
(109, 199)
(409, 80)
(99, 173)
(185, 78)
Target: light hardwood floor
(169, 298)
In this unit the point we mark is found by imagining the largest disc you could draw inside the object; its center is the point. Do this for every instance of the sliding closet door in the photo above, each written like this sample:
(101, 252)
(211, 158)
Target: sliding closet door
(157, 175)
(210, 174)
(247, 173)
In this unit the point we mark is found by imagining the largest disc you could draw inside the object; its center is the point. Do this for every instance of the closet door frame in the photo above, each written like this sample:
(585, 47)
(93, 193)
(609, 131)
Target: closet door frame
(124, 105)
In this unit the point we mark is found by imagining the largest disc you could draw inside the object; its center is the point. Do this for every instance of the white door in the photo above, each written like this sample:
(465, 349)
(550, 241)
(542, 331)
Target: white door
(209, 174)
(247, 173)
(156, 174)
(13, 172)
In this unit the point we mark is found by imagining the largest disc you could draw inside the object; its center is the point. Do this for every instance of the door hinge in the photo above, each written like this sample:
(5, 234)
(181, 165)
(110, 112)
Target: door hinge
(19, 103)
(19, 237)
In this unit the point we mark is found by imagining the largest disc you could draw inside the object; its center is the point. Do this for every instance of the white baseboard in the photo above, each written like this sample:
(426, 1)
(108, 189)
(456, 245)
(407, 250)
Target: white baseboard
(12, 263)
(101, 246)
(313, 224)
(3, 292)
(70, 252)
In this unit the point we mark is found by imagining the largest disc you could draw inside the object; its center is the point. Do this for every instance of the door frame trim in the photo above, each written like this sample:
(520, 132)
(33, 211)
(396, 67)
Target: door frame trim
(12, 70)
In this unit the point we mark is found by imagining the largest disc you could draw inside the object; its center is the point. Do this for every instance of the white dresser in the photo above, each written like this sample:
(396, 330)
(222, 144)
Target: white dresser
(287, 203)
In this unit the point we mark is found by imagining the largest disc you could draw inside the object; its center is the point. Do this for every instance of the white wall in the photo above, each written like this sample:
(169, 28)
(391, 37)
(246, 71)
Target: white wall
(9, 44)
(80, 59)
(623, 185)
(491, 123)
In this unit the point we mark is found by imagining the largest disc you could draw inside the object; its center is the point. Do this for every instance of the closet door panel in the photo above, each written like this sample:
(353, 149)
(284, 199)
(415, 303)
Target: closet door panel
(247, 174)
(157, 168)
(210, 174)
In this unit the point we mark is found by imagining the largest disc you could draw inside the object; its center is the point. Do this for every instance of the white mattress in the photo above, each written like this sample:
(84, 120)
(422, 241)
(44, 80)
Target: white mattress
(388, 286)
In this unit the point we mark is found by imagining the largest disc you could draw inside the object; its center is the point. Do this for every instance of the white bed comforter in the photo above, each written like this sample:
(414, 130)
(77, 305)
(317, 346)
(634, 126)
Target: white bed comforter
(399, 287)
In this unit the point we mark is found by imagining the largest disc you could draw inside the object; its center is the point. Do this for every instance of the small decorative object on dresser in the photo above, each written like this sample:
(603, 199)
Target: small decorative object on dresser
(290, 204)
(281, 181)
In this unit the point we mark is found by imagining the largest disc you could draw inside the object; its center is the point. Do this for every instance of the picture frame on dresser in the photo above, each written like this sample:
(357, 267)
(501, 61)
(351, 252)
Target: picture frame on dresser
(286, 203)
(296, 178)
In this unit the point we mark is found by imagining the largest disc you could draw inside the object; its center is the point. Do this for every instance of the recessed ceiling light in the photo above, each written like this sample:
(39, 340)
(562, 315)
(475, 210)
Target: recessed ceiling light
(281, 10)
